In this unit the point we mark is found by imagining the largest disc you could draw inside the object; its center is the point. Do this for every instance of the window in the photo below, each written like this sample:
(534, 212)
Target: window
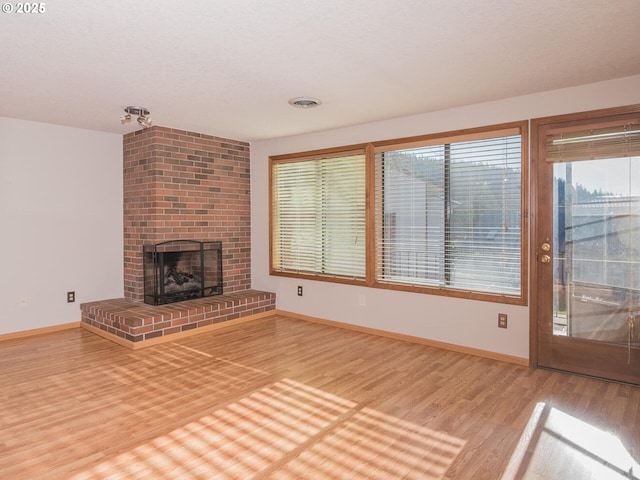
(318, 215)
(445, 217)
(450, 213)
(596, 229)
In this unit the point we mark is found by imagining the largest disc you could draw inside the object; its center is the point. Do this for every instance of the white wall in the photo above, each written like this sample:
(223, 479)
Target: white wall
(462, 322)
(60, 222)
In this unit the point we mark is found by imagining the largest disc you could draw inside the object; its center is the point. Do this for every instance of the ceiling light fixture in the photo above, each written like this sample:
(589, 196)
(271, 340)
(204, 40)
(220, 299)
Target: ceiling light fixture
(143, 116)
(304, 102)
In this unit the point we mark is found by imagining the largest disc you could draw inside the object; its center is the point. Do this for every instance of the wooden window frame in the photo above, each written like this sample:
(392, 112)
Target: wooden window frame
(373, 224)
(300, 157)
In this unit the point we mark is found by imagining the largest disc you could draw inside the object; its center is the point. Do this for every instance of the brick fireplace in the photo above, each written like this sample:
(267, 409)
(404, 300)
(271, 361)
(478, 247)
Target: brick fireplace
(186, 186)
(181, 185)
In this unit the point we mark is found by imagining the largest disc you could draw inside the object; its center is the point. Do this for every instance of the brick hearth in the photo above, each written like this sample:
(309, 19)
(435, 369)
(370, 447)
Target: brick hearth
(137, 322)
(181, 185)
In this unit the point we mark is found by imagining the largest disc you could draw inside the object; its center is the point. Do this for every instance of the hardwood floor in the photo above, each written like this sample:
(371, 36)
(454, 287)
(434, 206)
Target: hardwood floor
(281, 398)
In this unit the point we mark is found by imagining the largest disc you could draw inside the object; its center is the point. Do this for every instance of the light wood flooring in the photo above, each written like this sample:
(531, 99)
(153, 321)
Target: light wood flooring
(282, 398)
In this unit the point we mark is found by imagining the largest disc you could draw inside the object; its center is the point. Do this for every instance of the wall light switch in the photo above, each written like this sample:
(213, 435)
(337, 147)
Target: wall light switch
(362, 300)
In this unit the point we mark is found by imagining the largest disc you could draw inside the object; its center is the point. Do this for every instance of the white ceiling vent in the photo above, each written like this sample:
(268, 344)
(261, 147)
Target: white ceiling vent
(304, 102)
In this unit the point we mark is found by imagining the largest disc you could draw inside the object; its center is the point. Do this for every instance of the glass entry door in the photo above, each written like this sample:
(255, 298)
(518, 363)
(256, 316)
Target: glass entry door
(588, 246)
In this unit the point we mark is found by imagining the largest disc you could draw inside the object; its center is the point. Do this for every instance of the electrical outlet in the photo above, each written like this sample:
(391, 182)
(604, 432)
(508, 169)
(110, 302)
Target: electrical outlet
(71, 297)
(502, 320)
(299, 290)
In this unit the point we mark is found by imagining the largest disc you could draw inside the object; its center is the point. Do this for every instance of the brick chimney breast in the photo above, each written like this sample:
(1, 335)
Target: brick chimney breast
(182, 185)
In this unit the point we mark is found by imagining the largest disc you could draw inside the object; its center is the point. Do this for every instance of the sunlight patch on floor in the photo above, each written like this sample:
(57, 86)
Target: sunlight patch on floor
(557, 445)
(282, 431)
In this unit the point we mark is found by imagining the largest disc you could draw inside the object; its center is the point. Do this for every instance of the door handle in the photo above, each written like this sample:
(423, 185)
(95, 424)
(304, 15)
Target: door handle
(545, 259)
(545, 247)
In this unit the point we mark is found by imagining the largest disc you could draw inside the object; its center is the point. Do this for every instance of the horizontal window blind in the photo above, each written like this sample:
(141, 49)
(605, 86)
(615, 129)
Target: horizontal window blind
(596, 175)
(450, 214)
(606, 141)
(318, 216)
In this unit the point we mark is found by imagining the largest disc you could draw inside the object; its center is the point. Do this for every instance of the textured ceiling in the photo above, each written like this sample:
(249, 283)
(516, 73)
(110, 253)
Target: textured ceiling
(228, 67)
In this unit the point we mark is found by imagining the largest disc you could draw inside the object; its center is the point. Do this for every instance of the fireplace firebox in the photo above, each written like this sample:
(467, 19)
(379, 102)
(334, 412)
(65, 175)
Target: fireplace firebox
(180, 270)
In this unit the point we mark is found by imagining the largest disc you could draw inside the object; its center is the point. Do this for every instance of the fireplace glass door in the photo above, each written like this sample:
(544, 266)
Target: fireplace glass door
(181, 270)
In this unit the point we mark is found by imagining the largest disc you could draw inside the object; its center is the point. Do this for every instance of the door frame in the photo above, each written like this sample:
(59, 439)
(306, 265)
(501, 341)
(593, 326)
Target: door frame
(537, 203)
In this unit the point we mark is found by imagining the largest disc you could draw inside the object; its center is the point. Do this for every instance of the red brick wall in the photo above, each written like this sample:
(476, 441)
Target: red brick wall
(182, 185)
